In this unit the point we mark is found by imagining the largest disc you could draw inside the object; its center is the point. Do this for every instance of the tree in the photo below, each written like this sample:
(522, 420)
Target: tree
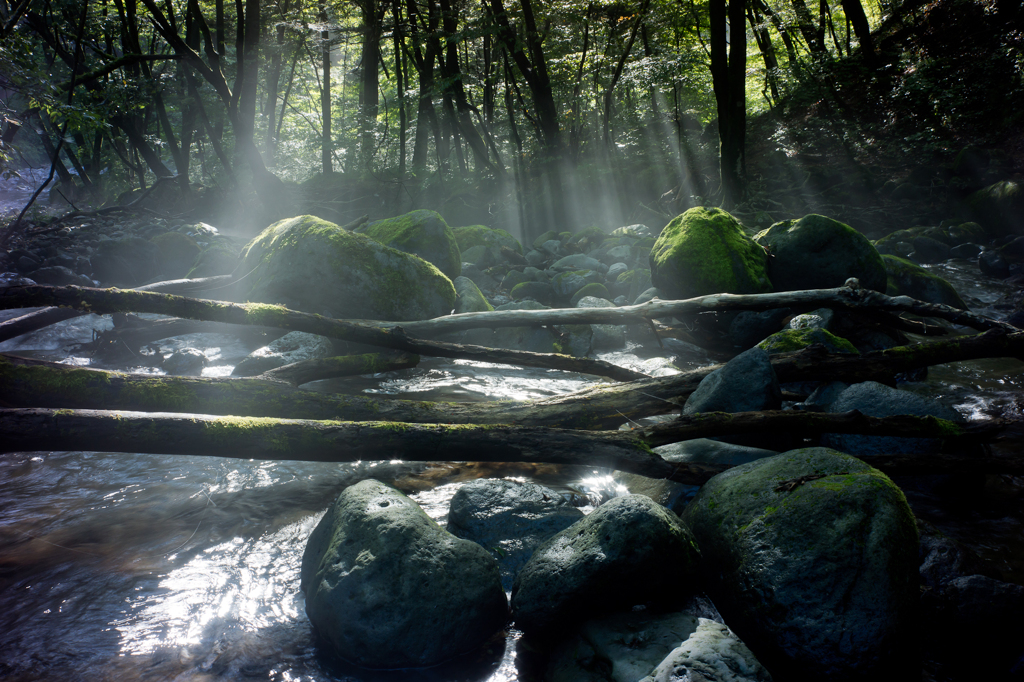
(728, 71)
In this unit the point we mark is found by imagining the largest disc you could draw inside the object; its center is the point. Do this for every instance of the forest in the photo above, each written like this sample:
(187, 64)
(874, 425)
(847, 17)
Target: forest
(512, 340)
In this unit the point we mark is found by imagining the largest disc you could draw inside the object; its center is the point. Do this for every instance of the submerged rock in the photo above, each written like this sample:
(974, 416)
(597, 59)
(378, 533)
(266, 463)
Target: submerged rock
(510, 519)
(706, 251)
(386, 587)
(314, 265)
(816, 252)
(811, 557)
(421, 233)
(745, 383)
(292, 347)
(712, 652)
(629, 551)
(878, 400)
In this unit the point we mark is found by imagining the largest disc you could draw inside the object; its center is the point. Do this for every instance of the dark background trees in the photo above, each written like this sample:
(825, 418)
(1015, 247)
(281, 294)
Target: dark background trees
(522, 114)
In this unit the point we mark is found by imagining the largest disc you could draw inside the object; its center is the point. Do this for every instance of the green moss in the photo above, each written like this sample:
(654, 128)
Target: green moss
(422, 233)
(706, 251)
(909, 279)
(481, 235)
(796, 339)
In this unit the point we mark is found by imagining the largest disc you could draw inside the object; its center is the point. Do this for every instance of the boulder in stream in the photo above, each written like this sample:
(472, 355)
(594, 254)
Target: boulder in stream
(422, 233)
(811, 557)
(707, 251)
(510, 519)
(816, 252)
(292, 347)
(313, 265)
(386, 587)
(627, 552)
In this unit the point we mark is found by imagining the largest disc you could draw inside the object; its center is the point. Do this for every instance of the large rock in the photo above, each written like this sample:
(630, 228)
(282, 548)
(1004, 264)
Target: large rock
(811, 557)
(313, 265)
(176, 252)
(746, 383)
(629, 551)
(481, 235)
(572, 339)
(795, 339)
(711, 652)
(706, 251)
(422, 233)
(469, 299)
(292, 347)
(878, 400)
(606, 336)
(510, 519)
(998, 207)
(816, 252)
(386, 587)
(908, 279)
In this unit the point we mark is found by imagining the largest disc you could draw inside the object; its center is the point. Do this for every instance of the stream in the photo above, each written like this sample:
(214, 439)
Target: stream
(132, 566)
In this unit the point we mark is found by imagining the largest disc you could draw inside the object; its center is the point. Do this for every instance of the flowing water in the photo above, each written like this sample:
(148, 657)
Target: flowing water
(129, 566)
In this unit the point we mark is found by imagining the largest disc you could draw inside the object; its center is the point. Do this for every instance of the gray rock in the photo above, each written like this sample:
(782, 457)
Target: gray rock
(185, 362)
(574, 339)
(482, 256)
(614, 270)
(536, 275)
(821, 399)
(816, 319)
(713, 652)
(928, 250)
(386, 587)
(479, 277)
(316, 266)
(512, 278)
(619, 648)
(510, 519)
(578, 261)
(878, 400)
(819, 577)
(568, 283)
(127, 261)
(647, 295)
(967, 251)
(552, 247)
(621, 301)
(535, 257)
(292, 347)
(538, 291)
(749, 327)
(621, 253)
(627, 552)
(606, 336)
(745, 383)
(58, 275)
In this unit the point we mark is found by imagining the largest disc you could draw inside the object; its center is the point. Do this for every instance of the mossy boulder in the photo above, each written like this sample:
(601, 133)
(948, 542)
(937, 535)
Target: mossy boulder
(386, 587)
(594, 289)
(422, 233)
(910, 279)
(626, 552)
(816, 252)
(313, 265)
(469, 236)
(795, 339)
(175, 253)
(706, 251)
(811, 557)
(468, 297)
(999, 207)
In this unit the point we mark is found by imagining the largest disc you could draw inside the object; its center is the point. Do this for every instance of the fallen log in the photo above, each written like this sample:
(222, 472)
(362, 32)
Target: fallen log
(37, 383)
(37, 429)
(116, 300)
(305, 371)
(38, 319)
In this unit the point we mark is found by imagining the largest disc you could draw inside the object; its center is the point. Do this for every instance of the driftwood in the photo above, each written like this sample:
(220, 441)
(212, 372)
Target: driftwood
(336, 441)
(259, 314)
(37, 383)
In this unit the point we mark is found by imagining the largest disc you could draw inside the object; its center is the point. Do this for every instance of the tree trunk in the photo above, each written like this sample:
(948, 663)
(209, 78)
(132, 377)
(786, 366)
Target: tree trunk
(326, 141)
(369, 96)
(273, 87)
(854, 12)
(729, 81)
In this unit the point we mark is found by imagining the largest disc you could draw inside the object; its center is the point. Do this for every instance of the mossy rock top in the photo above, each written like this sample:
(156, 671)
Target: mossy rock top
(469, 236)
(816, 252)
(909, 279)
(706, 251)
(422, 233)
(794, 339)
(313, 265)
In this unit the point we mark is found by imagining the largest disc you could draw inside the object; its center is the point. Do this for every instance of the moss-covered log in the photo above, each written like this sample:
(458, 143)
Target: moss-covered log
(105, 301)
(37, 383)
(38, 319)
(34, 429)
(305, 371)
